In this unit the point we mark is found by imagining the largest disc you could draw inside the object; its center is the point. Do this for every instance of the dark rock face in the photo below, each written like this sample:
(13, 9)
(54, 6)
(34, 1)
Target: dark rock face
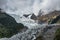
(55, 20)
(26, 15)
(33, 17)
(8, 25)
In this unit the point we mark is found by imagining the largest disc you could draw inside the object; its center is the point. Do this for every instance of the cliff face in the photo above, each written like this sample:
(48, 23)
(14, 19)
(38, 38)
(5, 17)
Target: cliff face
(34, 17)
(8, 25)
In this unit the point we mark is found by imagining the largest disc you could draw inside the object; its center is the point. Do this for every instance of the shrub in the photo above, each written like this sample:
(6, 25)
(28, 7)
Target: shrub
(57, 34)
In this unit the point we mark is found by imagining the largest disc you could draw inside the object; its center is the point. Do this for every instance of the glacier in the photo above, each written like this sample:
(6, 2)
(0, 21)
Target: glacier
(20, 7)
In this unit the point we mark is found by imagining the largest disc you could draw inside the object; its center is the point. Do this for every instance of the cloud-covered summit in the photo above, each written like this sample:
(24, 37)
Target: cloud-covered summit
(29, 6)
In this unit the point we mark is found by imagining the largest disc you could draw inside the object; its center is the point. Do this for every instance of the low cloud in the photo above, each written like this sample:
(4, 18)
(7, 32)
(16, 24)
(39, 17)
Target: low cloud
(2, 2)
(29, 6)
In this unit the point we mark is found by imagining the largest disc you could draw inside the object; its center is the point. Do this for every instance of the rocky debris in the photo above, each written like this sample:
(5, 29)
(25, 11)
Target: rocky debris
(48, 33)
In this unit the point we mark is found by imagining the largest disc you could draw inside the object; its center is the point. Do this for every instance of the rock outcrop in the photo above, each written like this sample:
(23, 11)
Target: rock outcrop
(34, 17)
(26, 15)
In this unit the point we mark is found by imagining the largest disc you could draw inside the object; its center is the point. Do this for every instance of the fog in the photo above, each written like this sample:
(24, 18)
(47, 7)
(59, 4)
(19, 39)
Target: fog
(29, 6)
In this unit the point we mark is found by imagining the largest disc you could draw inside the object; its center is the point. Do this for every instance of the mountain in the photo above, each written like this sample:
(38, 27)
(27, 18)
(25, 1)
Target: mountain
(49, 18)
(26, 15)
(33, 16)
(8, 25)
(53, 32)
(7, 20)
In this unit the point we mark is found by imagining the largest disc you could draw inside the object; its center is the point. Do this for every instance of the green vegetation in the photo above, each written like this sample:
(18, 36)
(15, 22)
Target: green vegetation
(55, 20)
(4, 32)
(9, 31)
(58, 21)
(8, 25)
(39, 38)
(57, 34)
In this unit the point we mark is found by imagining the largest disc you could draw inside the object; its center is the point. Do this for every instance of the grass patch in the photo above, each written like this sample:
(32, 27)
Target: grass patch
(57, 34)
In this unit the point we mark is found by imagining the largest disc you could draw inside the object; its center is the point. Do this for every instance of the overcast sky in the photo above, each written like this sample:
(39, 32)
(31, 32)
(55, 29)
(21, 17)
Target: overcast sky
(17, 3)
(28, 6)
(18, 6)
(2, 2)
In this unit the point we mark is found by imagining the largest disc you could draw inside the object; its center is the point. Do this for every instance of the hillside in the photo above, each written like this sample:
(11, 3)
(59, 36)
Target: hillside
(8, 25)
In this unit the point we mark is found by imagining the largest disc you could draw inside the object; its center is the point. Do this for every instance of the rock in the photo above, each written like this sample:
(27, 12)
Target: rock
(26, 15)
(34, 17)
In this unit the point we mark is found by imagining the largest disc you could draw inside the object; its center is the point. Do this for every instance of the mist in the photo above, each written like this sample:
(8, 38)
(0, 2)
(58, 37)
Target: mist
(29, 6)
(2, 3)
(20, 7)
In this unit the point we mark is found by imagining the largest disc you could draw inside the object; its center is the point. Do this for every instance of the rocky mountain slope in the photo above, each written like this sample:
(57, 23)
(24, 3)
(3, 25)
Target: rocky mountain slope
(49, 18)
(33, 17)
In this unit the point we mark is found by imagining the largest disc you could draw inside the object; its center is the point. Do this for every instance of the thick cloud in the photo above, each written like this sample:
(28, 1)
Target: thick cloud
(29, 6)
(46, 6)
(19, 6)
(2, 2)
(50, 5)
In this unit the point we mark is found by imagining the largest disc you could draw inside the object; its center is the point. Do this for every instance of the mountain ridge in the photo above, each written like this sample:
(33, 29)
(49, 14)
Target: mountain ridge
(8, 25)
